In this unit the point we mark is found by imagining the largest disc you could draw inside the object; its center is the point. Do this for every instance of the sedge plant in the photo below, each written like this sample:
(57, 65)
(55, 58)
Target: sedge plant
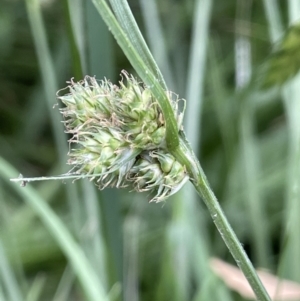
(131, 134)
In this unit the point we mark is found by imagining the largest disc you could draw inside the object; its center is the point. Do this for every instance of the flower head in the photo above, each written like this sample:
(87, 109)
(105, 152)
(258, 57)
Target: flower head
(158, 172)
(119, 133)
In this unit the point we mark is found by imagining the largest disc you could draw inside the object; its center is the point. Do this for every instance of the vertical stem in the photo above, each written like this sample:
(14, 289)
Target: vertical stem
(196, 71)
(292, 107)
(129, 25)
(155, 33)
(184, 154)
(143, 71)
(50, 86)
(290, 92)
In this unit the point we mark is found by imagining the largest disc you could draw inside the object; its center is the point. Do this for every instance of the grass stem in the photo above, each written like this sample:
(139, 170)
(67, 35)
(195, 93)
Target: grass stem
(184, 154)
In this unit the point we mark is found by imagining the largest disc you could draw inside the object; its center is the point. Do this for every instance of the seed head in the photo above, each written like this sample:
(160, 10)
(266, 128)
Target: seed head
(119, 136)
(158, 172)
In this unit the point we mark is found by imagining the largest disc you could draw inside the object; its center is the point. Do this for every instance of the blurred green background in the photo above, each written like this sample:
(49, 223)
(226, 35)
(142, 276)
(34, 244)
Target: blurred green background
(81, 242)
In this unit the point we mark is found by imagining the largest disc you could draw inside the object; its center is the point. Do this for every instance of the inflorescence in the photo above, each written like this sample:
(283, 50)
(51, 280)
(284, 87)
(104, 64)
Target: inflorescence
(119, 134)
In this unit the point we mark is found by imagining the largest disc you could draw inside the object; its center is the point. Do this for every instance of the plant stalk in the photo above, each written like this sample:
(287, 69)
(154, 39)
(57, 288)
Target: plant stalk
(129, 25)
(143, 71)
(186, 156)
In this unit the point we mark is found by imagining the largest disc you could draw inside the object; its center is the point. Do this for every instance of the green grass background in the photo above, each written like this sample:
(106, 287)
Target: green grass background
(63, 241)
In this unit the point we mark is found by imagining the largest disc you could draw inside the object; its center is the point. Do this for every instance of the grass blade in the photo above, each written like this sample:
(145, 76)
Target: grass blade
(94, 239)
(128, 23)
(65, 285)
(85, 273)
(8, 278)
(99, 45)
(249, 154)
(253, 200)
(50, 86)
(196, 72)
(156, 39)
(143, 71)
(77, 27)
(75, 53)
(186, 215)
(274, 19)
(36, 288)
(290, 96)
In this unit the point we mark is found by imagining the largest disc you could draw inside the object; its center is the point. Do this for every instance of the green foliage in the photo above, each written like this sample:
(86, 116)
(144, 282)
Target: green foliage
(120, 134)
(284, 63)
(248, 145)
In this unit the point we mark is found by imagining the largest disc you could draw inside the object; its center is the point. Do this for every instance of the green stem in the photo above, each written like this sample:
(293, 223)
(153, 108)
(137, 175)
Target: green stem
(129, 25)
(143, 71)
(185, 155)
(179, 147)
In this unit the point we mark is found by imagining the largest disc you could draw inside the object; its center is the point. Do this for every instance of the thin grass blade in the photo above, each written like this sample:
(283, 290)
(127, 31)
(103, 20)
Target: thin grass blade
(130, 27)
(156, 39)
(84, 271)
(8, 278)
(196, 72)
(143, 71)
(290, 95)
(51, 87)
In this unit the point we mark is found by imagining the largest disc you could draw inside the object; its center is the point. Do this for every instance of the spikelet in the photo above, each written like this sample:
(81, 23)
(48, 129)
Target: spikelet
(158, 172)
(118, 136)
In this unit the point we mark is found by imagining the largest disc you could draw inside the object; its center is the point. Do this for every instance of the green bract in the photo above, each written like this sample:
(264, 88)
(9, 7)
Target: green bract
(119, 133)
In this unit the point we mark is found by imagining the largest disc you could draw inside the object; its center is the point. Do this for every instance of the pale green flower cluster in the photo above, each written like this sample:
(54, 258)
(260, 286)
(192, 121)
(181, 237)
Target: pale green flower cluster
(120, 136)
